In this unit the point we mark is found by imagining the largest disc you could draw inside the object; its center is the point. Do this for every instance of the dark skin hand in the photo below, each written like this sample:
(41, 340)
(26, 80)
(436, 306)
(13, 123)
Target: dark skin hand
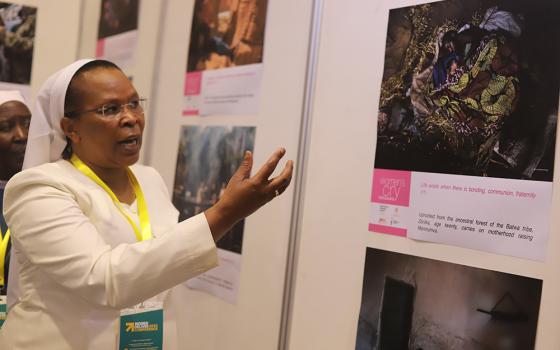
(245, 194)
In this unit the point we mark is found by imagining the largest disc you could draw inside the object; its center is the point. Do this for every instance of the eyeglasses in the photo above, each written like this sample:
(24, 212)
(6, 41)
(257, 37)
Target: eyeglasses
(113, 110)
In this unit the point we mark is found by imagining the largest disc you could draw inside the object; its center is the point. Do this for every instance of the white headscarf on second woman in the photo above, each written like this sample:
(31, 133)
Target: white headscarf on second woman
(46, 141)
(11, 95)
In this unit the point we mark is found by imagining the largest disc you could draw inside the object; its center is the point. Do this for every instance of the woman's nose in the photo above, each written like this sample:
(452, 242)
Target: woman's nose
(128, 117)
(20, 132)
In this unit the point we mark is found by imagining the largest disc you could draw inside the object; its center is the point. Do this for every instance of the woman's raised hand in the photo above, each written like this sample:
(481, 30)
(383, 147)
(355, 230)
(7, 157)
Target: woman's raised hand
(244, 194)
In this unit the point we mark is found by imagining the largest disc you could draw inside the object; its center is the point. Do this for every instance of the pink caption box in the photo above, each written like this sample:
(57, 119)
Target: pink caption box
(390, 187)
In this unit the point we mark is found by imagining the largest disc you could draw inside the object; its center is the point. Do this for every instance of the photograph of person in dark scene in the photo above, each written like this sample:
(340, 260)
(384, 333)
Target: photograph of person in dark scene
(469, 88)
(207, 158)
(17, 39)
(226, 33)
(117, 16)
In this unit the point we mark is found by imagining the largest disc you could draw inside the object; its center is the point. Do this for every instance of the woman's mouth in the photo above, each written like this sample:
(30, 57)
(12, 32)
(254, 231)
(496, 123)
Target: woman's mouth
(131, 144)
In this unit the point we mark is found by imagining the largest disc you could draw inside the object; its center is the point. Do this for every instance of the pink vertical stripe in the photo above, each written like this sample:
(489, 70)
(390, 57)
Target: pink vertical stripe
(100, 49)
(190, 112)
(395, 231)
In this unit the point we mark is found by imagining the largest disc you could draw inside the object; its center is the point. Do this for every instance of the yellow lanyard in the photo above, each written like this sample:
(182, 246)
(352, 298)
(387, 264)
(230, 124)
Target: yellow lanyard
(145, 230)
(3, 251)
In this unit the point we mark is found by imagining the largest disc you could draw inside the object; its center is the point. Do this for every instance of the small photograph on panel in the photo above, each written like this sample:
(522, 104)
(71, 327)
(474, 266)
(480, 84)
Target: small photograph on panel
(117, 16)
(117, 36)
(469, 87)
(225, 61)
(226, 33)
(17, 40)
(412, 303)
(208, 157)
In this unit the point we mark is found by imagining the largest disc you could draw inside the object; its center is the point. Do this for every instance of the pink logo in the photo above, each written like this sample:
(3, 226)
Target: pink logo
(391, 187)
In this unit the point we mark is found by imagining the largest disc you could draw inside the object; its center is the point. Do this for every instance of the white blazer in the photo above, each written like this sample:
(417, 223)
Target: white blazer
(80, 263)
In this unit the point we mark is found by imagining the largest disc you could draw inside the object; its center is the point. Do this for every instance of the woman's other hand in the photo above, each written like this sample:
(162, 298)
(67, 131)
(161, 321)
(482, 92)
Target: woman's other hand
(244, 194)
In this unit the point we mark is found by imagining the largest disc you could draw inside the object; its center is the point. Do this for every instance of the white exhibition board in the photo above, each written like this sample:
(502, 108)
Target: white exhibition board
(334, 233)
(205, 321)
(337, 192)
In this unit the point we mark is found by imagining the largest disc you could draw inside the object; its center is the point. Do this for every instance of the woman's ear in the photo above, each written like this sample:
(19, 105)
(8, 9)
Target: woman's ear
(68, 126)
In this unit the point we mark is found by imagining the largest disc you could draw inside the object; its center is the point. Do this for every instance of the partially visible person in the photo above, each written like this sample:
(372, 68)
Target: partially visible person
(14, 127)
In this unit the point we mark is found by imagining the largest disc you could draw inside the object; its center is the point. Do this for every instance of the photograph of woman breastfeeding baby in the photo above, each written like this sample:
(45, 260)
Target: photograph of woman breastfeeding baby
(468, 88)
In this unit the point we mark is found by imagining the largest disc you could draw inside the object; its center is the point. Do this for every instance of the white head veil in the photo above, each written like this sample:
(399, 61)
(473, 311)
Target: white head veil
(46, 141)
(11, 95)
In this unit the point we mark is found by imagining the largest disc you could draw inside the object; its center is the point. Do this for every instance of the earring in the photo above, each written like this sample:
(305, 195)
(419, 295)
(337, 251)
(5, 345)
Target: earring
(77, 135)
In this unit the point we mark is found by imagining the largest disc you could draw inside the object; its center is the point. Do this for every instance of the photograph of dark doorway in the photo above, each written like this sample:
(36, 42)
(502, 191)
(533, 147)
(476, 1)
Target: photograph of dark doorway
(414, 303)
(396, 313)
